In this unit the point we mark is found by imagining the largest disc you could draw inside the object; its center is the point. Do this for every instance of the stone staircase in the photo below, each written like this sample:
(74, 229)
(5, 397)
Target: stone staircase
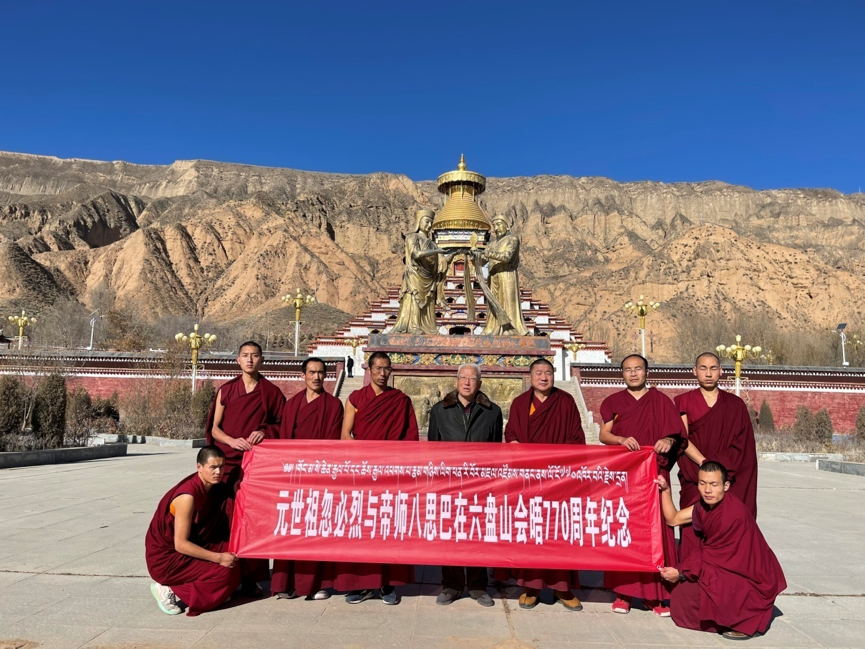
(349, 385)
(590, 427)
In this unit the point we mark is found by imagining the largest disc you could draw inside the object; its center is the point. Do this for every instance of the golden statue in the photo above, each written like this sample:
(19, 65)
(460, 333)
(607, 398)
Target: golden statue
(503, 256)
(421, 280)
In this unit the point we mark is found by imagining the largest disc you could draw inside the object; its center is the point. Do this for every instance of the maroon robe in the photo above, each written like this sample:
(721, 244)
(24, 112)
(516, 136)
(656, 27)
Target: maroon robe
(201, 585)
(647, 419)
(733, 577)
(387, 416)
(320, 418)
(723, 434)
(556, 420)
(244, 414)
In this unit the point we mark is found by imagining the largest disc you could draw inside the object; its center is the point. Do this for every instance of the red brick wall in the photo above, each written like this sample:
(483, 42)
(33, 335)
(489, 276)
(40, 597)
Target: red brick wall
(105, 386)
(842, 406)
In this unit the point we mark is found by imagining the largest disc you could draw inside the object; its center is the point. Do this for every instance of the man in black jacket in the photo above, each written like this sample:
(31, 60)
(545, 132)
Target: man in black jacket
(465, 415)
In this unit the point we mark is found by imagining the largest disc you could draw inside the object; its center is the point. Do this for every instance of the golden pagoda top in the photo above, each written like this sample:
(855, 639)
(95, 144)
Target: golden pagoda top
(460, 177)
(461, 212)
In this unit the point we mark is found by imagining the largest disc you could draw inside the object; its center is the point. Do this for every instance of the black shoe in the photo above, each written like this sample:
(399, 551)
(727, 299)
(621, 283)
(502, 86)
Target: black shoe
(388, 595)
(447, 596)
(482, 597)
(358, 596)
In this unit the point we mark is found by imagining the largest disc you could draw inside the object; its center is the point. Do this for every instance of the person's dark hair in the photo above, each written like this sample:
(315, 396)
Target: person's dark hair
(712, 354)
(250, 343)
(540, 361)
(642, 358)
(207, 453)
(312, 359)
(376, 356)
(710, 466)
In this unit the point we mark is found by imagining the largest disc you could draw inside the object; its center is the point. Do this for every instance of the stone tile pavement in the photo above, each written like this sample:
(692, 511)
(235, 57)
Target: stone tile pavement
(72, 574)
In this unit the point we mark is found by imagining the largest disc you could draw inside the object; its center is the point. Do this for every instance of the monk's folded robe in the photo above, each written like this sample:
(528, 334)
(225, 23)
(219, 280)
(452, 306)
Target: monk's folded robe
(647, 419)
(320, 418)
(556, 420)
(201, 585)
(244, 414)
(387, 416)
(722, 433)
(733, 577)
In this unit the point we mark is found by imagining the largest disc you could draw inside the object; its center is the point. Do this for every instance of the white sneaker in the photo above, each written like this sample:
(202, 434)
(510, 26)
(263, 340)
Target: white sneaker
(322, 594)
(166, 599)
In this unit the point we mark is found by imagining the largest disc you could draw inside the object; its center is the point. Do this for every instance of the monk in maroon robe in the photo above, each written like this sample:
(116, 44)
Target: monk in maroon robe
(246, 410)
(376, 412)
(544, 415)
(185, 547)
(728, 585)
(720, 429)
(635, 417)
(310, 414)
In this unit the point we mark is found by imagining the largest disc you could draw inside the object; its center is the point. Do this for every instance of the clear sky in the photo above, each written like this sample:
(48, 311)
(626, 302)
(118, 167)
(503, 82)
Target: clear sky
(761, 93)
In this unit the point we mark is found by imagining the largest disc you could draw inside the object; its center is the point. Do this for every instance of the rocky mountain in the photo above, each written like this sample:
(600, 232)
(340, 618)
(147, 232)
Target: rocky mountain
(226, 241)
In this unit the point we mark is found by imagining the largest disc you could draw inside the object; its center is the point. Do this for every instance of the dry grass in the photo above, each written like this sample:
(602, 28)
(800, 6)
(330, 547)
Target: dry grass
(784, 442)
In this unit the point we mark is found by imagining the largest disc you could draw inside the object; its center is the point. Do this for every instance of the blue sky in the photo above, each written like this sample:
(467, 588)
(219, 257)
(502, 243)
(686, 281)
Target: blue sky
(761, 93)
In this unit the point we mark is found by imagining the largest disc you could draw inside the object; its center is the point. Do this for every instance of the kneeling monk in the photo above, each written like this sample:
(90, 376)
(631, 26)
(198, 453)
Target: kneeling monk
(185, 544)
(730, 584)
(376, 412)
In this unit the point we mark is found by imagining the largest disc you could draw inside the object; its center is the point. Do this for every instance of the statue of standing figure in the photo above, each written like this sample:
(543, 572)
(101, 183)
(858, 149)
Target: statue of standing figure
(503, 256)
(423, 276)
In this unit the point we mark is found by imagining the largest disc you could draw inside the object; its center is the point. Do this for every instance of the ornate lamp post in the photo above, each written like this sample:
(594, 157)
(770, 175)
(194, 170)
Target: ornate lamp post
(355, 343)
(298, 302)
(738, 354)
(642, 309)
(196, 341)
(769, 357)
(572, 347)
(21, 321)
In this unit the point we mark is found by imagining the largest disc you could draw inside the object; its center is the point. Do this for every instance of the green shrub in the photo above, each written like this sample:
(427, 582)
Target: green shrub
(805, 428)
(860, 425)
(823, 426)
(13, 411)
(49, 412)
(767, 419)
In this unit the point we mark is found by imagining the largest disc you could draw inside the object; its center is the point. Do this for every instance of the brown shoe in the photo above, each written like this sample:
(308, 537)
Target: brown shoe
(568, 600)
(529, 598)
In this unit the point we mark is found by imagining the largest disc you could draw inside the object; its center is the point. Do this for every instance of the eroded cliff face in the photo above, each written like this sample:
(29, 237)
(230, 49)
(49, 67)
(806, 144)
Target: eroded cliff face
(227, 241)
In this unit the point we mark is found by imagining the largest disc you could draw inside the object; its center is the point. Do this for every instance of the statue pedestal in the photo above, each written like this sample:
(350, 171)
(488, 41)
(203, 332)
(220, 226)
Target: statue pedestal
(425, 367)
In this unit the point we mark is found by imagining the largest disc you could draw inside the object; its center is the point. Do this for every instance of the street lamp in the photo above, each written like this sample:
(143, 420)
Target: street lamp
(572, 347)
(196, 341)
(298, 302)
(843, 334)
(642, 309)
(21, 321)
(770, 357)
(738, 354)
(93, 319)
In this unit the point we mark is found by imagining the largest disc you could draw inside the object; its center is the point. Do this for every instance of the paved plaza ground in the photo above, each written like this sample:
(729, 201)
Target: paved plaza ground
(72, 574)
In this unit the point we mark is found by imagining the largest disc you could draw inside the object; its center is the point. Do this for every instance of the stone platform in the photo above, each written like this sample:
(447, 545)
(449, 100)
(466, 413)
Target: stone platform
(425, 366)
(72, 574)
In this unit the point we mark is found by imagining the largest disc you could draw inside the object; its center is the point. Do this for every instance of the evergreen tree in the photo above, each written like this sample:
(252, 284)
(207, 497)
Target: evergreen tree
(860, 425)
(767, 419)
(805, 428)
(49, 412)
(823, 426)
(13, 407)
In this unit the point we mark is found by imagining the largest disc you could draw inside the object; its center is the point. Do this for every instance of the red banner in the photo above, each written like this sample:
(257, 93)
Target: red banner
(463, 504)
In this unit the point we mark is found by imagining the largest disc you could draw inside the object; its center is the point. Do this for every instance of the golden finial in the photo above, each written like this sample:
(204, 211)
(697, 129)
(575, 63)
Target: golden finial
(462, 165)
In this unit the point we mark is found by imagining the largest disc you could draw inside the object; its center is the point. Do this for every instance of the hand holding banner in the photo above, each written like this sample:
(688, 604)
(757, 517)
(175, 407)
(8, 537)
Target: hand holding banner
(505, 505)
